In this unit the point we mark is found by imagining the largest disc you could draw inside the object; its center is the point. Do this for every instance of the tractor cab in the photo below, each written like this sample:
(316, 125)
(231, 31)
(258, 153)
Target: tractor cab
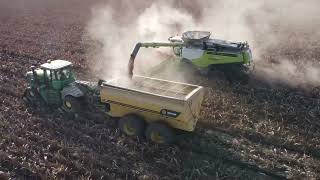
(57, 74)
(54, 74)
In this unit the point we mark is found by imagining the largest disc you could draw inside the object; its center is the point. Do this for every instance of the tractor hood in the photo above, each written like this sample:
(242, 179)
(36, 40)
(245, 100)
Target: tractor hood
(39, 73)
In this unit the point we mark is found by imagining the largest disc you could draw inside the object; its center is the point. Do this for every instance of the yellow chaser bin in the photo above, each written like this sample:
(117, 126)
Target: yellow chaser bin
(152, 107)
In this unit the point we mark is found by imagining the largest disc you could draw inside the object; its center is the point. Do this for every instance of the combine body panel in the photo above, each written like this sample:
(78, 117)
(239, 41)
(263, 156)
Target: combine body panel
(214, 51)
(197, 48)
(176, 104)
(208, 58)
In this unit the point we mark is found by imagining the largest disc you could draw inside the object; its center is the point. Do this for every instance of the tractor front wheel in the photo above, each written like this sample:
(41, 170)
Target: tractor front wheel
(159, 133)
(71, 104)
(30, 97)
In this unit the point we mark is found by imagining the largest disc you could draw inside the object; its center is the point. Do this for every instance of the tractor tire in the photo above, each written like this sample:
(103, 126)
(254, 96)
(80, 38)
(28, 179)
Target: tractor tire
(29, 97)
(33, 99)
(71, 105)
(315, 92)
(159, 133)
(132, 125)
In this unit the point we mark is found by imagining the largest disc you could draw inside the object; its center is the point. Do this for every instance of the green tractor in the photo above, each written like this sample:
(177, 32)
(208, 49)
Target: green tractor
(53, 84)
(196, 48)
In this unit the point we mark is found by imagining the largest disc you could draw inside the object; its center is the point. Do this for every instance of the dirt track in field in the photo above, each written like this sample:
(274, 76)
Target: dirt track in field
(245, 132)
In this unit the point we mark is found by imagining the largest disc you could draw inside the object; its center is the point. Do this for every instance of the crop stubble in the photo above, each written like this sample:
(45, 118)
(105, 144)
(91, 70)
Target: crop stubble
(246, 131)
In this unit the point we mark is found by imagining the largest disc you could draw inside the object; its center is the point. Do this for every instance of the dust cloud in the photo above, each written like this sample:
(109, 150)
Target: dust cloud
(118, 29)
(283, 34)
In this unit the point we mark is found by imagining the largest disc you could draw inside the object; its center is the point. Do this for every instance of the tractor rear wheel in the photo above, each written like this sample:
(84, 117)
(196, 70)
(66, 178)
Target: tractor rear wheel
(159, 133)
(71, 104)
(132, 125)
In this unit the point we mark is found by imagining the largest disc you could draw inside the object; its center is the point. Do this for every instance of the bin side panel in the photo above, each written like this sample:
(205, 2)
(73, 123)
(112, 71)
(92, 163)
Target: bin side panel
(123, 102)
(192, 109)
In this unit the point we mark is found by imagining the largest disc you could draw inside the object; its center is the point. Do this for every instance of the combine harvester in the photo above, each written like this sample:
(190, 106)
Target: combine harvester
(145, 106)
(196, 48)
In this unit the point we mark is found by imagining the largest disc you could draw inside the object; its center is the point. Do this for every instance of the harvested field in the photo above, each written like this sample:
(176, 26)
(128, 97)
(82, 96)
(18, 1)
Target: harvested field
(249, 131)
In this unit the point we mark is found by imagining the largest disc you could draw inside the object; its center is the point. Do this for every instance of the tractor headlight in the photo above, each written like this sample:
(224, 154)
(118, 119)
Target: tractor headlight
(29, 76)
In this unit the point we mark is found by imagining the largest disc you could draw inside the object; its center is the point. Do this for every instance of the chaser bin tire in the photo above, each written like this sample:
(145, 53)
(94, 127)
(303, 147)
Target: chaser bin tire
(159, 133)
(132, 125)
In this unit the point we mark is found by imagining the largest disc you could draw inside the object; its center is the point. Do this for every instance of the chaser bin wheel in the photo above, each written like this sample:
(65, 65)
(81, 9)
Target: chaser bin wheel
(159, 133)
(132, 125)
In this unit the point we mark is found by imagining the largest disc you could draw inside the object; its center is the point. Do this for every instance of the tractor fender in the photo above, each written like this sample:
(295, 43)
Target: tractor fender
(71, 90)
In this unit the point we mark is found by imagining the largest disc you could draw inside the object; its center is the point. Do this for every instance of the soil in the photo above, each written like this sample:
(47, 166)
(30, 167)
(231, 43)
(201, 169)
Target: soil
(250, 131)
